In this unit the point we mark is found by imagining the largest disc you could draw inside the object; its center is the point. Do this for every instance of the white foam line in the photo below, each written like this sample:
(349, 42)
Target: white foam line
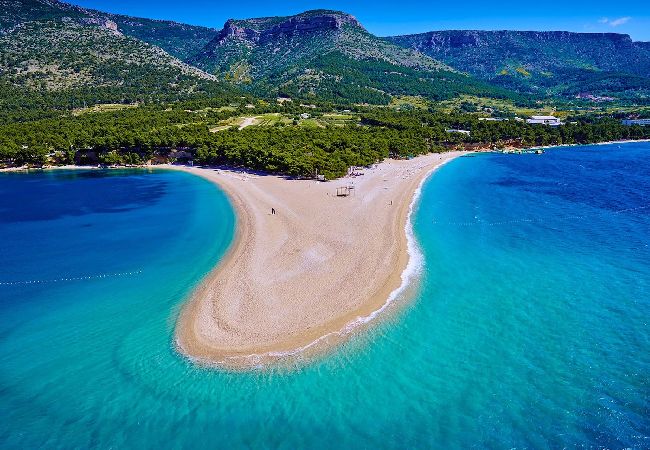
(413, 268)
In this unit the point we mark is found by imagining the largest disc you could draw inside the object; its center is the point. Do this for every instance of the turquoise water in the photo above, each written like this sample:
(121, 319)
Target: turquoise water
(530, 328)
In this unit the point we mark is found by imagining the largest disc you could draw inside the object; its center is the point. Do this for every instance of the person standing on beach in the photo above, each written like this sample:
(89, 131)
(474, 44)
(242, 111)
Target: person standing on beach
(272, 210)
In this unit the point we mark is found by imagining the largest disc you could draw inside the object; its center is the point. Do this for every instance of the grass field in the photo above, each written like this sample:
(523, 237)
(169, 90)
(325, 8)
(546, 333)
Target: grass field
(278, 119)
(409, 102)
(107, 107)
(497, 107)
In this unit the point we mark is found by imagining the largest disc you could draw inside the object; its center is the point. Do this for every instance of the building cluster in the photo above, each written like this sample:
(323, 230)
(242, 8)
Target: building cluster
(595, 98)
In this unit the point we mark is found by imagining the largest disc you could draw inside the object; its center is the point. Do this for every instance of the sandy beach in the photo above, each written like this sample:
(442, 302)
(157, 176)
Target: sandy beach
(311, 271)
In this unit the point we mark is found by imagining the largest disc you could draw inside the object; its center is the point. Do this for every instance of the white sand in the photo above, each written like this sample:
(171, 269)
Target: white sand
(306, 272)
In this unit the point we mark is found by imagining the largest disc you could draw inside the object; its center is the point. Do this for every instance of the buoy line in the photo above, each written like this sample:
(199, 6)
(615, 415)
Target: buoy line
(67, 279)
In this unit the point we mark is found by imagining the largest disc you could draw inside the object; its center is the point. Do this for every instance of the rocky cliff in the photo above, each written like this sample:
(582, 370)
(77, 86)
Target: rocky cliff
(268, 29)
(298, 38)
(318, 52)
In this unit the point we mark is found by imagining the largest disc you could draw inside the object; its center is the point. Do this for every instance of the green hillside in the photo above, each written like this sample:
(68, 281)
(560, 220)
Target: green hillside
(14, 12)
(60, 64)
(329, 55)
(177, 39)
(546, 63)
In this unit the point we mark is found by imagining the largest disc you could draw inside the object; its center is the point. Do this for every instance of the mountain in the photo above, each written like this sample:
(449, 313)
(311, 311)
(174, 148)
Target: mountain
(272, 42)
(14, 12)
(321, 54)
(49, 48)
(326, 54)
(54, 55)
(555, 62)
(177, 39)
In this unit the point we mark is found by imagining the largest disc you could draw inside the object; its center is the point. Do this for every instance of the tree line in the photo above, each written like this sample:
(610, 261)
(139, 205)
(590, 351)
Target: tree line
(157, 133)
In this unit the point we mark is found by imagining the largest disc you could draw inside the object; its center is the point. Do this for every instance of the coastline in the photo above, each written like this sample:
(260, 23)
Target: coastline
(75, 167)
(220, 326)
(25, 168)
(195, 343)
(547, 147)
(628, 141)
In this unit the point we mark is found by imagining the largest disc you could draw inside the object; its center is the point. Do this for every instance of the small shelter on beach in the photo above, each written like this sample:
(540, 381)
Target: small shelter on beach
(344, 191)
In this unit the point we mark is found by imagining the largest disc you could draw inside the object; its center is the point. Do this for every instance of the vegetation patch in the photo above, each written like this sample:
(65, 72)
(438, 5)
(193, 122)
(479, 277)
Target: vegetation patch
(523, 71)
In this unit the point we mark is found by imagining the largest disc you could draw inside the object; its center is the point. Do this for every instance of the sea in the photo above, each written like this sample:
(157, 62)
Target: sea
(529, 326)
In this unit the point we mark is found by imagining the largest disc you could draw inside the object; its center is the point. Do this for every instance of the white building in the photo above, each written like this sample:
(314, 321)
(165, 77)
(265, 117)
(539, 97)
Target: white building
(467, 132)
(545, 120)
(642, 122)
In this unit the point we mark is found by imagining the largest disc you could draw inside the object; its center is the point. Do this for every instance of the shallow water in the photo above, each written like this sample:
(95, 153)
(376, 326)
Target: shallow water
(530, 328)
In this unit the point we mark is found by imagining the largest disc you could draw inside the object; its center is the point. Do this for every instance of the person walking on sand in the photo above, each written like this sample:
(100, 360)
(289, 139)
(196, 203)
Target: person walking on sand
(272, 210)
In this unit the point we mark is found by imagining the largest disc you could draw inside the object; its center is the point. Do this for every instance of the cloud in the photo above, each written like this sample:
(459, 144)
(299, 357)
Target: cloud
(615, 22)
(619, 21)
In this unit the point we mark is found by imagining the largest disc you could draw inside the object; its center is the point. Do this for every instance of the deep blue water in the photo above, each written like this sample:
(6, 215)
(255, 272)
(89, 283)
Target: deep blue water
(530, 328)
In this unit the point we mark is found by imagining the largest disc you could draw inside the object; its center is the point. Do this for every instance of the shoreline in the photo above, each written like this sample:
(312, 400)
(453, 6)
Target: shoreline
(77, 167)
(168, 166)
(191, 342)
(195, 337)
(629, 141)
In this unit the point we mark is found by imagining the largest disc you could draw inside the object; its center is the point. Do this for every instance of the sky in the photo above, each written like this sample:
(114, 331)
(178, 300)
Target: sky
(385, 18)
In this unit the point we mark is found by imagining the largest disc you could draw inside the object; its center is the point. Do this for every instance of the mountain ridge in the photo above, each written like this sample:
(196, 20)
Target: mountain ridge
(327, 54)
(535, 60)
(178, 39)
(27, 54)
(310, 24)
(318, 54)
(55, 56)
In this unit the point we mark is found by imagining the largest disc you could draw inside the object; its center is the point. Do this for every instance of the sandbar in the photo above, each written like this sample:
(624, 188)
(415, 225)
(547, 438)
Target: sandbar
(299, 280)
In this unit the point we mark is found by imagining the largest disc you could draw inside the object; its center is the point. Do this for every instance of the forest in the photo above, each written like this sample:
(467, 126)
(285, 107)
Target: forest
(156, 134)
